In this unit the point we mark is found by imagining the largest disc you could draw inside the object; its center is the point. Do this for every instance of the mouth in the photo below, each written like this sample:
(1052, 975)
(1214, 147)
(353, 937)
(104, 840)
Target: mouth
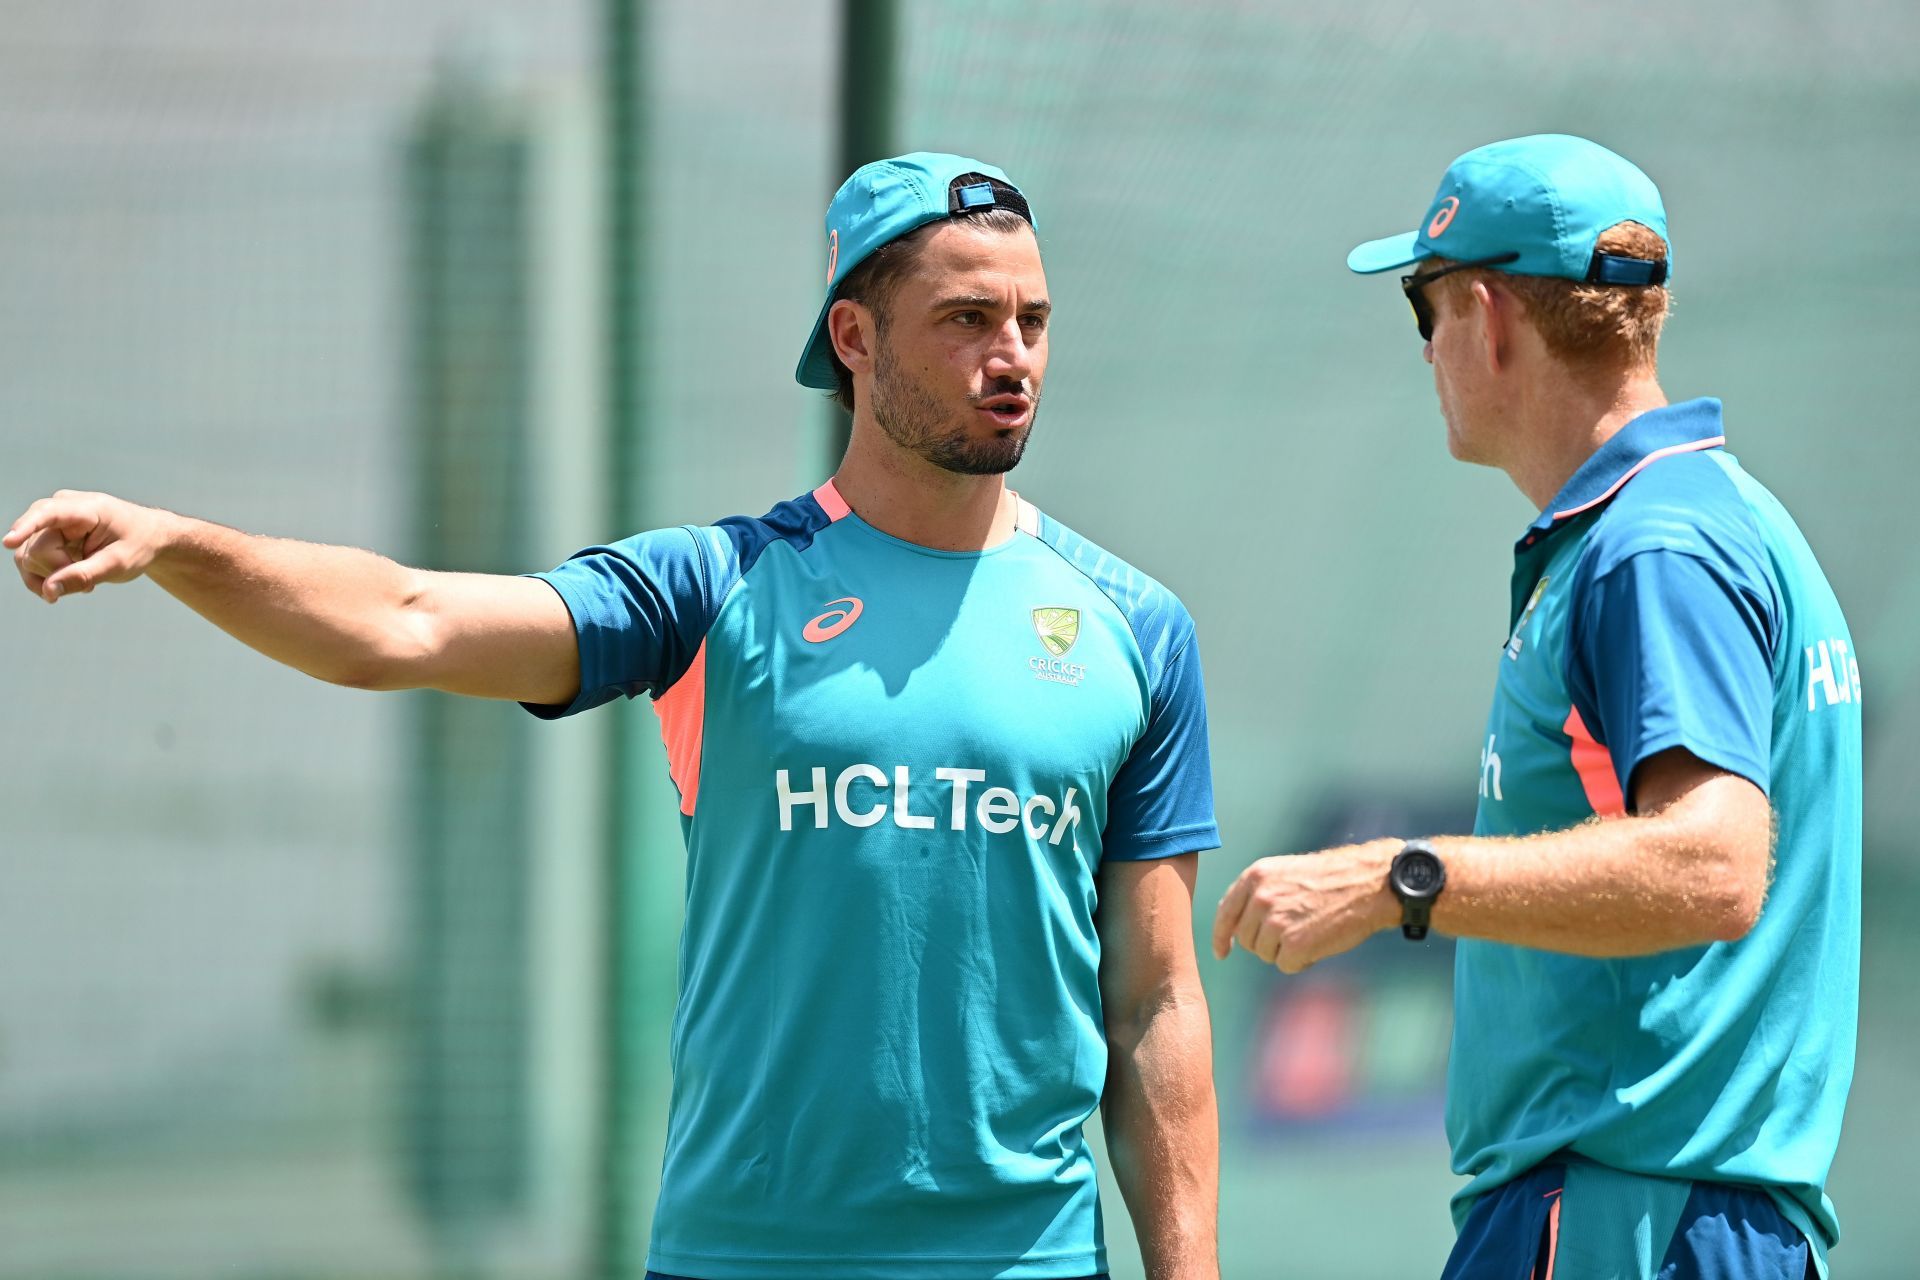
(1007, 410)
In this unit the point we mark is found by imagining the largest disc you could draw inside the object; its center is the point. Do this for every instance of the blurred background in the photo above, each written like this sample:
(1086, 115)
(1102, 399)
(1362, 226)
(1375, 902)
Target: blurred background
(301, 983)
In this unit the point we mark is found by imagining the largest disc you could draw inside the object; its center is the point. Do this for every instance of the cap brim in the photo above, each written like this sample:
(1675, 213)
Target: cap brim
(815, 369)
(1385, 255)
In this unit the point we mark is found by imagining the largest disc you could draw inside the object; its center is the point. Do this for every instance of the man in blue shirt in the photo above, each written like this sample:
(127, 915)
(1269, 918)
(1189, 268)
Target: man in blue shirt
(1657, 978)
(943, 781)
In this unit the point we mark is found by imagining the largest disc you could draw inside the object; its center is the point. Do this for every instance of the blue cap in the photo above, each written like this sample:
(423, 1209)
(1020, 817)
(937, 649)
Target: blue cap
(881, 202)
(1545, 199)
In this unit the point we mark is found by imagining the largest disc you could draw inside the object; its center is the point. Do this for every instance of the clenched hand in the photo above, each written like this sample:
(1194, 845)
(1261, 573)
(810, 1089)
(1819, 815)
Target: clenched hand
(70, 543)
(1293, 911)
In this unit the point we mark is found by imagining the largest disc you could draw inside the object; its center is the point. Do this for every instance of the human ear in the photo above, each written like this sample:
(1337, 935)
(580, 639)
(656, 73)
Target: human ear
(1491, 309)
(850, 328)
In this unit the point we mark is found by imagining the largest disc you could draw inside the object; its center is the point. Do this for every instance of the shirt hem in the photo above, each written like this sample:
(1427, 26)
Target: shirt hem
(879, 1266)
(1172, 844)
(1811, 1223)
(556, 710)
(1715, 754)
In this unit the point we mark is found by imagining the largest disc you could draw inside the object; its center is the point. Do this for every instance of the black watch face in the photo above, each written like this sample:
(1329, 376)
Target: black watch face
(1418, 873)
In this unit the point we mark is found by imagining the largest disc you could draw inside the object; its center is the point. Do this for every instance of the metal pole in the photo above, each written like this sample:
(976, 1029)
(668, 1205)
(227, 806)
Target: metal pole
(617, 1249)
(468, 1070)
(869, 60)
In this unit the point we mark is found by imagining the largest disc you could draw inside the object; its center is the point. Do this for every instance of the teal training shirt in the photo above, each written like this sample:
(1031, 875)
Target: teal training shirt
(1665, 599)
(900, 770)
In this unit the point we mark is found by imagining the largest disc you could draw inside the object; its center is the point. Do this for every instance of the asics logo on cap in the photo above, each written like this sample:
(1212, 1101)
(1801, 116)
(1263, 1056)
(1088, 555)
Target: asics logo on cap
(834, 621)
(833, 253)
(1443, 217)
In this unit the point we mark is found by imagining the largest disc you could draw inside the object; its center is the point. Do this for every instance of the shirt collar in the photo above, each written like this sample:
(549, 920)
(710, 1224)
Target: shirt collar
(1660, 433)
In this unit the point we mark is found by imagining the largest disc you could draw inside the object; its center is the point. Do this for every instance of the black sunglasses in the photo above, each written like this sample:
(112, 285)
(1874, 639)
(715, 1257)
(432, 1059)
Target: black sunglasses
(1413, 284)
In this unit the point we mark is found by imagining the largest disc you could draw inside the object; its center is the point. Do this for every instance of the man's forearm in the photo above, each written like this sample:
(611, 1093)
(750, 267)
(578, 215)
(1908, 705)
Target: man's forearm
(336, 613)
(1629, 886)
(1163, 1135)
(1692, 872)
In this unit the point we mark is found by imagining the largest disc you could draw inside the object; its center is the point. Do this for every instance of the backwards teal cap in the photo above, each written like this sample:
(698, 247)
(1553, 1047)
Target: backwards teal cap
(1545, 200)
(881, 202)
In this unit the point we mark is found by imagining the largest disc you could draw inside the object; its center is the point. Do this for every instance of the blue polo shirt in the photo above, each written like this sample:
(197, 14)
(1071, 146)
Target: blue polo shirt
(1666, 599)
(900, 772)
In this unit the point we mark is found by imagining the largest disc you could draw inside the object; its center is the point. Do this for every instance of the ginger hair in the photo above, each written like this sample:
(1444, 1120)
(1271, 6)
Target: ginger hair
(1597, 329)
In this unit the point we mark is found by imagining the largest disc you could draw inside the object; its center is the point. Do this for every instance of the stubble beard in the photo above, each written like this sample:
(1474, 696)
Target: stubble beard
(913, 418)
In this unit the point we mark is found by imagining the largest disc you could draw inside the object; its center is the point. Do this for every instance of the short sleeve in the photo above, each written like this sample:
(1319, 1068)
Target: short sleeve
(640, 610)
(1673, 649)
(1161, 801)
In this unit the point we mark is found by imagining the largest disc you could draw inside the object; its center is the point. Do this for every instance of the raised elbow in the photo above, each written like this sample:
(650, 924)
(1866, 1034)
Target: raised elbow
(1737, 918)
(1719, 842)
(1734, 904)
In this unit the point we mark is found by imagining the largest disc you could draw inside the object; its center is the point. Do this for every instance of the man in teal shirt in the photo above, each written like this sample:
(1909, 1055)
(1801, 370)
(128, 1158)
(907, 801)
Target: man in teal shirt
(1657, 978)
(943, 779)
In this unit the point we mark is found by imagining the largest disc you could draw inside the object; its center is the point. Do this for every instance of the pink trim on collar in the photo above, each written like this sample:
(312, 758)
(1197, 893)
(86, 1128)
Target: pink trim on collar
(1026, 516)
(831, 502)
(1692, 447)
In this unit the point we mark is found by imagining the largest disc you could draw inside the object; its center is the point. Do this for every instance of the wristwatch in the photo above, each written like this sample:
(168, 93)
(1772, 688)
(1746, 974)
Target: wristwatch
(1416, 878)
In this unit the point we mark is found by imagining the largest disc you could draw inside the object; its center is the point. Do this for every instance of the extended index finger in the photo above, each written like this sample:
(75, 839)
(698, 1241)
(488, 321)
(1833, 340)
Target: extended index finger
(1227, 917)
(69, 514)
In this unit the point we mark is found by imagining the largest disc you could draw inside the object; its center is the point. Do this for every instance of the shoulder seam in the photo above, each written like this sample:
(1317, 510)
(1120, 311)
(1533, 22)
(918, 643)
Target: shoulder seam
(1154, 701)
(706, 588)
(1119, 608)
(1637, 553)
(1748, 522)
(1772, 612)
(1173, 660)
(1777, 614)
(812, 529)
(700, 559)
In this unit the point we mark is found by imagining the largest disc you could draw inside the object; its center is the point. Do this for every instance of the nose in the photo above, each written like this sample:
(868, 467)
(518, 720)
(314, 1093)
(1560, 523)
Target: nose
(1011, 355)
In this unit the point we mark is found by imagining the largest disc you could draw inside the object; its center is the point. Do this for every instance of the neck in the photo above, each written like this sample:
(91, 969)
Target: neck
(902, 494)
(1564, 423)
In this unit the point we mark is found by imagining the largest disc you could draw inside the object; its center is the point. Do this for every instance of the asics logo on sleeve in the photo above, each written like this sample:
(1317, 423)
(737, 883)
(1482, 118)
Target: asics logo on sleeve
(834, 621)
(995, 809)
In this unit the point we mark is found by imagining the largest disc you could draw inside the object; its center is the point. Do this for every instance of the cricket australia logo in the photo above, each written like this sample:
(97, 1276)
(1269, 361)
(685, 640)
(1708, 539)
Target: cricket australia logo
(1515, 640)
(1058, 628)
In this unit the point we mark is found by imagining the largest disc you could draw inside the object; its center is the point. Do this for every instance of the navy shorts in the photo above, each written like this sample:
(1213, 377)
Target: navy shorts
(1727, 1231)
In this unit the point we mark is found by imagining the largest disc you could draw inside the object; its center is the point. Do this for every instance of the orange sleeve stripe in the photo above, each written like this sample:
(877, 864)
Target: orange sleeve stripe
(683, 722)
(1595, 767)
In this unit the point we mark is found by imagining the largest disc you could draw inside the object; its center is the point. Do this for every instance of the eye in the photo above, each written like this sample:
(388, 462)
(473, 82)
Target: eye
(969, 318)
(1036, 322)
